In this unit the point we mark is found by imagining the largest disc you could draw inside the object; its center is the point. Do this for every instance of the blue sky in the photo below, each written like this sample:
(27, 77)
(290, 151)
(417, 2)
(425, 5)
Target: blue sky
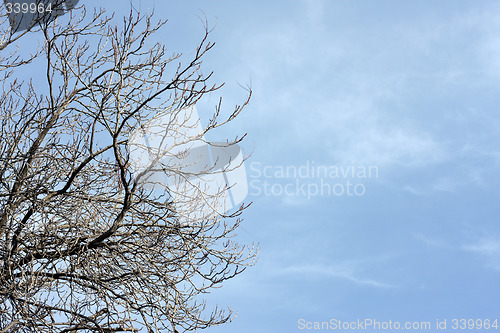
(412, 88)
(409, 87)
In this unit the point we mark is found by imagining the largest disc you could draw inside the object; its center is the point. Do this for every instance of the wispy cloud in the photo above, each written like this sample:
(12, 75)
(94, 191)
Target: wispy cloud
(363, 99)
(338, 98)
(489, 249)
(469, 166)
(432, 242)
(354, 271)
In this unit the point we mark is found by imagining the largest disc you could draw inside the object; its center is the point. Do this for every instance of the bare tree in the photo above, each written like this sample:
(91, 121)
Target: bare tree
(85, 244)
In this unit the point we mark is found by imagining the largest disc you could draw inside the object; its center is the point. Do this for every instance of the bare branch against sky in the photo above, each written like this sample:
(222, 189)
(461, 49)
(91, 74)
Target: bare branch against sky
(88, 242)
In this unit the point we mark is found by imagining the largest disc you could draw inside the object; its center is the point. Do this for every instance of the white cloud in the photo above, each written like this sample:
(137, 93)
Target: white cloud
(348, 270)
(486, 23)
(431, 242)
(352, 110)
(471, 166)
(397, 95)
(384, 145)
(357, 128)
(489, 249)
